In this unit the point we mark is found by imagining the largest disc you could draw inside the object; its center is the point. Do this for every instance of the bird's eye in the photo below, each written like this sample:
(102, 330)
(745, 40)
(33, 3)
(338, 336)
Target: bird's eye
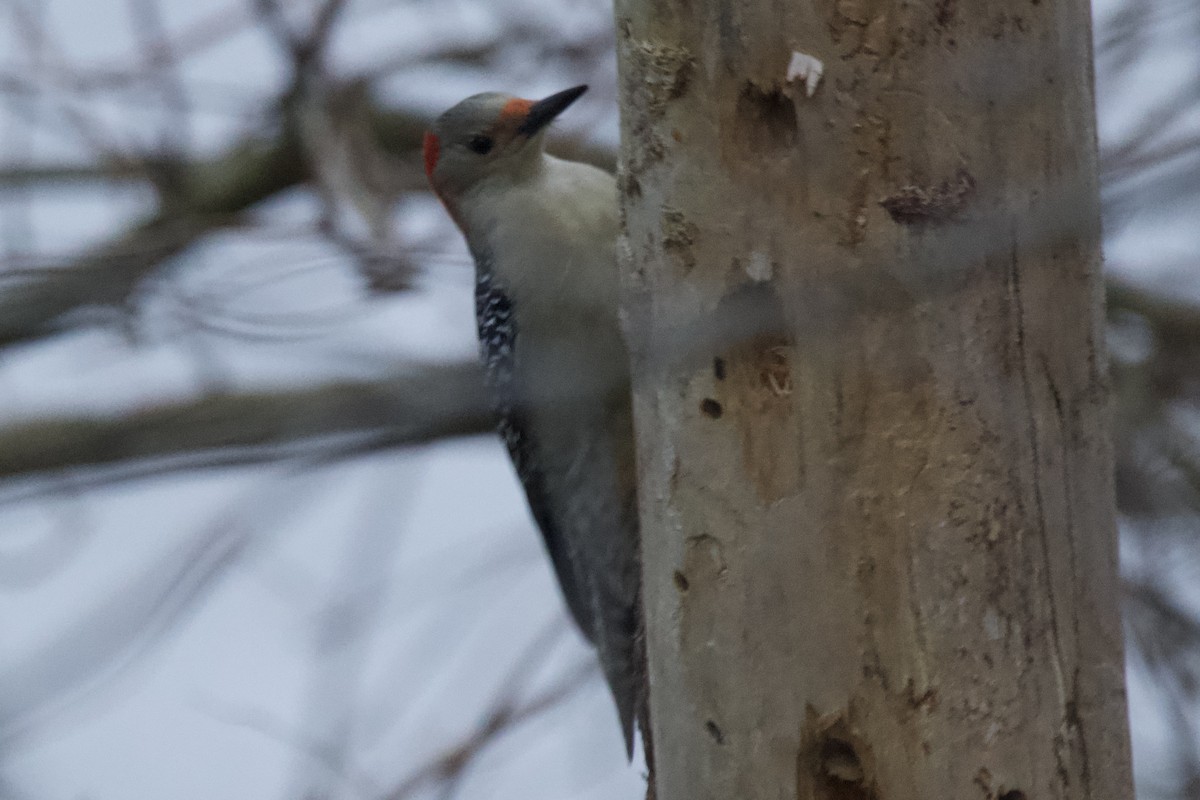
(480, 144)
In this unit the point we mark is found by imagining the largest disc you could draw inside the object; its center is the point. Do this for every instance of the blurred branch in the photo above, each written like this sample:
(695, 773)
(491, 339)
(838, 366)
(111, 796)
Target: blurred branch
(421, 404)
(116, 628)
(309, 46)
(47, 54)
(1158, 621)
(31, 300)
(1154, 367)
(452, 764)
(207, 32)
(342, 635)
(165, 73)
(1170, 316)
(216, 191)
(50, 174)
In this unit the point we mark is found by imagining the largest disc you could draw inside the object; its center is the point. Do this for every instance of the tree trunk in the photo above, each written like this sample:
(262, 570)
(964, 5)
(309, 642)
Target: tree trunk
(871, 399)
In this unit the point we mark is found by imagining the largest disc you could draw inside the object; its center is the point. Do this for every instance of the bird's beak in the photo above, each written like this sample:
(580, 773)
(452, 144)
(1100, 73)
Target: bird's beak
(542, 112)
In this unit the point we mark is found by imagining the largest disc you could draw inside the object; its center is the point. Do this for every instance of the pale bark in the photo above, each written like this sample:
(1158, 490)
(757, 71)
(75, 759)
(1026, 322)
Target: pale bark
(879, 536)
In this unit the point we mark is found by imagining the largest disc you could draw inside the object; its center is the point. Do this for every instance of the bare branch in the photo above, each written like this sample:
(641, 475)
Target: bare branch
(218, 190)
(453, 763)
(326, 19)
(176, 134)
(51, 679)
(31, 301)
(51, 174)
(1173, 317)
(37, 41)
(417, 405)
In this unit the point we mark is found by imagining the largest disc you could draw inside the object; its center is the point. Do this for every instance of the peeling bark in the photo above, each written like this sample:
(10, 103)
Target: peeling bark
(879, 539)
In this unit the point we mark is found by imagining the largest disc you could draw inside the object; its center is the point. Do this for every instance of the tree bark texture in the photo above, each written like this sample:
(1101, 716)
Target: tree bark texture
(871, 399)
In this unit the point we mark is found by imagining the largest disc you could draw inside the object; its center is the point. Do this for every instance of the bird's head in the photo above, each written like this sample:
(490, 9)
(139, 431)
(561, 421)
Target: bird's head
(487, 135)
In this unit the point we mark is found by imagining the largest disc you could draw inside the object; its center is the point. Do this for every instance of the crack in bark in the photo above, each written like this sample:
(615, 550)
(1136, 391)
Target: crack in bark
(1057, 657)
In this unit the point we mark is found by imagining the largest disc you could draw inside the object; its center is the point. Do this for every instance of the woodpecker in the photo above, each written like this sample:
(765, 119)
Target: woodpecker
(543, 233)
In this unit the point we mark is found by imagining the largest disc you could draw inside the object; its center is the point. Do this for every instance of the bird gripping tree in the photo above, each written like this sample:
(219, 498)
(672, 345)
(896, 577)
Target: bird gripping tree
(543, 233)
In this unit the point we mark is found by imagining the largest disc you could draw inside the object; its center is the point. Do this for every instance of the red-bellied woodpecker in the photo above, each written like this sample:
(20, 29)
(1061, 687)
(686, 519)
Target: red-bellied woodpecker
(543, 235)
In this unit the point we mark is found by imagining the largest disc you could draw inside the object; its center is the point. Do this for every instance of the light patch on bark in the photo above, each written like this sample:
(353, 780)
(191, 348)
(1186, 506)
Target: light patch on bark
(806, 68)
(758, 267)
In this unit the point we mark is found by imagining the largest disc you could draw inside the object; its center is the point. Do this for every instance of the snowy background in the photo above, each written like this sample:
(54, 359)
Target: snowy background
(282, 605)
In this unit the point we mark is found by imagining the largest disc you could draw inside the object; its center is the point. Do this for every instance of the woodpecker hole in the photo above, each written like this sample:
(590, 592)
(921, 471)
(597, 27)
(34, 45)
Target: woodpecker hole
(719, 368)
(913, 204)
(715, 732)
(945, 12)
(839, 761)
(766, 119)
(1012, 794)
(833, 763)
(681, 581)
(711, 408)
